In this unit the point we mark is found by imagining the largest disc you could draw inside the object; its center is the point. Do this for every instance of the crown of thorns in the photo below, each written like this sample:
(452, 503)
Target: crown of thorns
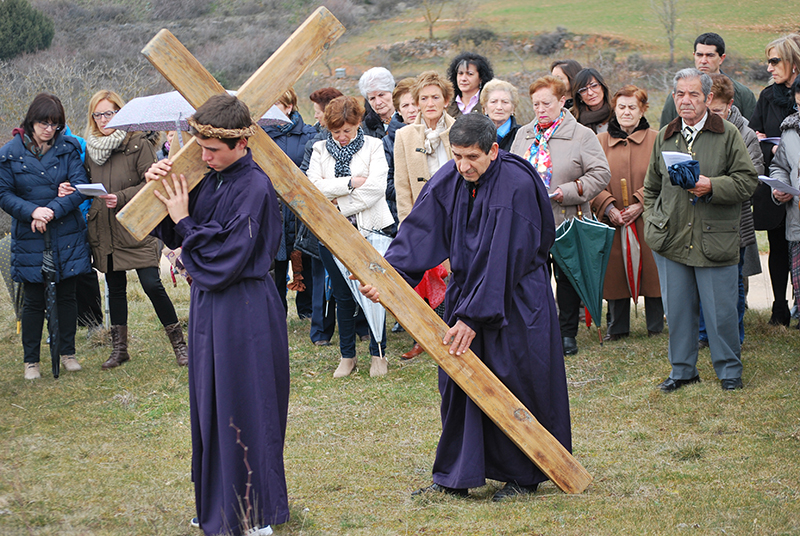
(209, 131)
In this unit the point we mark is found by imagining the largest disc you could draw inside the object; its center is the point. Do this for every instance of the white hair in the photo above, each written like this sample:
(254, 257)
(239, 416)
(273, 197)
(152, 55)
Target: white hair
(376, 79)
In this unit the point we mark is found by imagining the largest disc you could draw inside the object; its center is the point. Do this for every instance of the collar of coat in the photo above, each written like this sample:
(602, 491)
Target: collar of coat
(714, 124)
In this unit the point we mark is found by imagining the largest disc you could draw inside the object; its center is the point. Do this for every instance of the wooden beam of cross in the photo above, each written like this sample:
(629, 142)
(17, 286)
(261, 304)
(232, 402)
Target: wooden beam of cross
(144, 212)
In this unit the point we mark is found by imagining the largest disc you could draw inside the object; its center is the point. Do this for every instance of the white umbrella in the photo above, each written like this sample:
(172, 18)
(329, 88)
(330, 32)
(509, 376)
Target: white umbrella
(375, 313)
(169, 111)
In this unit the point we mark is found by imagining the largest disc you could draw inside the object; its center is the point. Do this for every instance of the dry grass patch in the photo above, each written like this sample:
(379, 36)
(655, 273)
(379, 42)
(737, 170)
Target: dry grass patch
(108, 452)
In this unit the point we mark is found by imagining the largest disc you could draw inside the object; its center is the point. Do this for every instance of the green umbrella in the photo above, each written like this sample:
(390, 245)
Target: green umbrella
(582, 249)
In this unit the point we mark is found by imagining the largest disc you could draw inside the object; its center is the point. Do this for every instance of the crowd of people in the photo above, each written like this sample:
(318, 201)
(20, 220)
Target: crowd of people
(471, 200)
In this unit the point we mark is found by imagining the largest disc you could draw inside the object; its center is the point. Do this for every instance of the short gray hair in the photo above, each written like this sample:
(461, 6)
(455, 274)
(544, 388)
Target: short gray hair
(691, 72)
(376, 79)
(499, 85)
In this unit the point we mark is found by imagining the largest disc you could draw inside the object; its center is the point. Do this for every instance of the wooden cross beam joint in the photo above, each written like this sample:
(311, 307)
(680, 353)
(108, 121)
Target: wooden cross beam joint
(262, 89)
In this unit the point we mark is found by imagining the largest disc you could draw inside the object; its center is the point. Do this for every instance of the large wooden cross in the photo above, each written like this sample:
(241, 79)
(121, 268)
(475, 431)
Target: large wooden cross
(260, 91)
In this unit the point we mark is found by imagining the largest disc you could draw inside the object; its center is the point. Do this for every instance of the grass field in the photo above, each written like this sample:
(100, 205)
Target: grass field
(746, 26)
(107, 452)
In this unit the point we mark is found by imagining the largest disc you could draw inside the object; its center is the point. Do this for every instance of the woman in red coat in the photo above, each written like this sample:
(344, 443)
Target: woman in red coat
(628, 144)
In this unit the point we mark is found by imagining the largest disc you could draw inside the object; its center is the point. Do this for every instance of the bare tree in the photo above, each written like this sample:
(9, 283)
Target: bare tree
(667, 13)
(433, 12)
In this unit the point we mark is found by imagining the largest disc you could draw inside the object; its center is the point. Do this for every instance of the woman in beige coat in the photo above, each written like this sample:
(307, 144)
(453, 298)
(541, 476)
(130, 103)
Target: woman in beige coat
(627, 145)
(574, 170)
(118, 161)
(420, 149)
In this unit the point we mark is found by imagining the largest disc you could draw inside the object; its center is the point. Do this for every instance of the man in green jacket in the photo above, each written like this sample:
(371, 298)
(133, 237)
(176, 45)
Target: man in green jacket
(694, 234)
(709, 53)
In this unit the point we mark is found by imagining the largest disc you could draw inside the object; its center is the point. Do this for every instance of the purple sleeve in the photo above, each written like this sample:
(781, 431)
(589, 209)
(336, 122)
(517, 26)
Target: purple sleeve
(508, 252)
(215, 254)
(423, 240)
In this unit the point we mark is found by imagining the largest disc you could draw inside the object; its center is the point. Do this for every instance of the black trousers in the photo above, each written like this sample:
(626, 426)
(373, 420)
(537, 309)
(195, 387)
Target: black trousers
(569, 304)
(87, 292)
(150, 278)
(33, 318)
(778, 261)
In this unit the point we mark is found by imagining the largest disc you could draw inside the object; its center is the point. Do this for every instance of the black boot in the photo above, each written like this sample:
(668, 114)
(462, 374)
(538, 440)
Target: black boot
(780, 313)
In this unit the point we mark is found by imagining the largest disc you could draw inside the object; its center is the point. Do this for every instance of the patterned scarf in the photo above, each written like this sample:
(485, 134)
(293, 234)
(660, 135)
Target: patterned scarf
(344, 155)
(538, 154)
(36, 150)
(100, 147)
(293, 117)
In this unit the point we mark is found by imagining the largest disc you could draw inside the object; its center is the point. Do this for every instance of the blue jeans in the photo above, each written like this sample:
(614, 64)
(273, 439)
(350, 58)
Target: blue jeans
(323, 313)
(346, 310)
(739, 305)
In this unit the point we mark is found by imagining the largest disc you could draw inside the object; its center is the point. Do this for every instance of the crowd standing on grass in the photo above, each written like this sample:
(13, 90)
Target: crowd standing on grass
(392, 165)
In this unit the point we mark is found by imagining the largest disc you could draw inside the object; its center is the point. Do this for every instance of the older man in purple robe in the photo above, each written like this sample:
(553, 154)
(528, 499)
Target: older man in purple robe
(229, 227)
(488, 212)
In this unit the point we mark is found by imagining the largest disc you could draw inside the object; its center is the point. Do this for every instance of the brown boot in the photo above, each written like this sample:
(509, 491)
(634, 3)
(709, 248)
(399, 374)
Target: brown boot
(119, 352)
(175, 334)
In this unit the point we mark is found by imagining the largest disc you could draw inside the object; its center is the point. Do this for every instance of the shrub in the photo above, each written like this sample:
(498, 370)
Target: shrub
(757, 71)
(550, 43)
(476, 35)
(23, 29)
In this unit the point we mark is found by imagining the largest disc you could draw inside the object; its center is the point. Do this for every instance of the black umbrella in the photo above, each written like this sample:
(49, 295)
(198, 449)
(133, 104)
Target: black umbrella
(49, 277)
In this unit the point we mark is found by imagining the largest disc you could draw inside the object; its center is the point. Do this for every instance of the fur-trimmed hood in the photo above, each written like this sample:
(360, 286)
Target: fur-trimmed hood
(791, 122)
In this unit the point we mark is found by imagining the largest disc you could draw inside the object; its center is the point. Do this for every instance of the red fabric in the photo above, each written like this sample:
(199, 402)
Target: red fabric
(432, 287)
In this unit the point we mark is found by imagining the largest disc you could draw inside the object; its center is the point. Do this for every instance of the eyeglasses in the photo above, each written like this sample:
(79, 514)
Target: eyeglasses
(47, 126)
(591, 87)
(108, 115)
(774, 61)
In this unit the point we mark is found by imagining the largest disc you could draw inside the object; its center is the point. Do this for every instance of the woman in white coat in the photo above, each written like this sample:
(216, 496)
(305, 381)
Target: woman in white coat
(350, 169)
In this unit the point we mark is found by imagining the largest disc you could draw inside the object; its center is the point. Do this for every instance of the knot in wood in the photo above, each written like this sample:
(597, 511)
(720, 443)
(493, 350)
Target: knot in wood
(375, 267)
(521, 414)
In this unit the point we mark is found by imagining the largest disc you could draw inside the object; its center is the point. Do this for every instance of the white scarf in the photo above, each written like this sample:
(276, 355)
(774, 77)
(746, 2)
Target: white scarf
(100, 147)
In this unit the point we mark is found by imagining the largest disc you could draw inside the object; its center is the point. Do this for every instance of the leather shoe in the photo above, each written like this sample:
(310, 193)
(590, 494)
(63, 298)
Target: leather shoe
(414, 352)
(651, 334)
(670, 384)
(732, 384)
(614, 336)
(512, 489)
(702, 343)
(438, 488)
(570, 345)
(322, 343)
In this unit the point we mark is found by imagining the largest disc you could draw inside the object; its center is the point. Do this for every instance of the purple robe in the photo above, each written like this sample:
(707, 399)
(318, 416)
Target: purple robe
(498, 244)
(238, 345)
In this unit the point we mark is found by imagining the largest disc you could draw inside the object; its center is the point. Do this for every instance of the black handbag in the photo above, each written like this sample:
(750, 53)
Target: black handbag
(305, 241)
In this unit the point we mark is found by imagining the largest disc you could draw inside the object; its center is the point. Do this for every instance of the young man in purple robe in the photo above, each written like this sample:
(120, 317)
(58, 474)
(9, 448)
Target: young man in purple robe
(229, 227)
(488, 212)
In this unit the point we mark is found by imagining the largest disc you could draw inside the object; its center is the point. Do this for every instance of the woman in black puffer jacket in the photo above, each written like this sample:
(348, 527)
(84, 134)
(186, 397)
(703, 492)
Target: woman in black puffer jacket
(32, 165)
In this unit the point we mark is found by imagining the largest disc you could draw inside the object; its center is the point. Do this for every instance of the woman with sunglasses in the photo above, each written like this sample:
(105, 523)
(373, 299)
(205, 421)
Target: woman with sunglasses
(118, 160)
(775, 103)
(592, 106)
(37, 159)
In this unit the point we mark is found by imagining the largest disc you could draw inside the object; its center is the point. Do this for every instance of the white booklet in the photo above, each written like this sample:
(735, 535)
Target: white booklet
(91, 190)
(774, 141)
(674, 157)
(778, 185)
